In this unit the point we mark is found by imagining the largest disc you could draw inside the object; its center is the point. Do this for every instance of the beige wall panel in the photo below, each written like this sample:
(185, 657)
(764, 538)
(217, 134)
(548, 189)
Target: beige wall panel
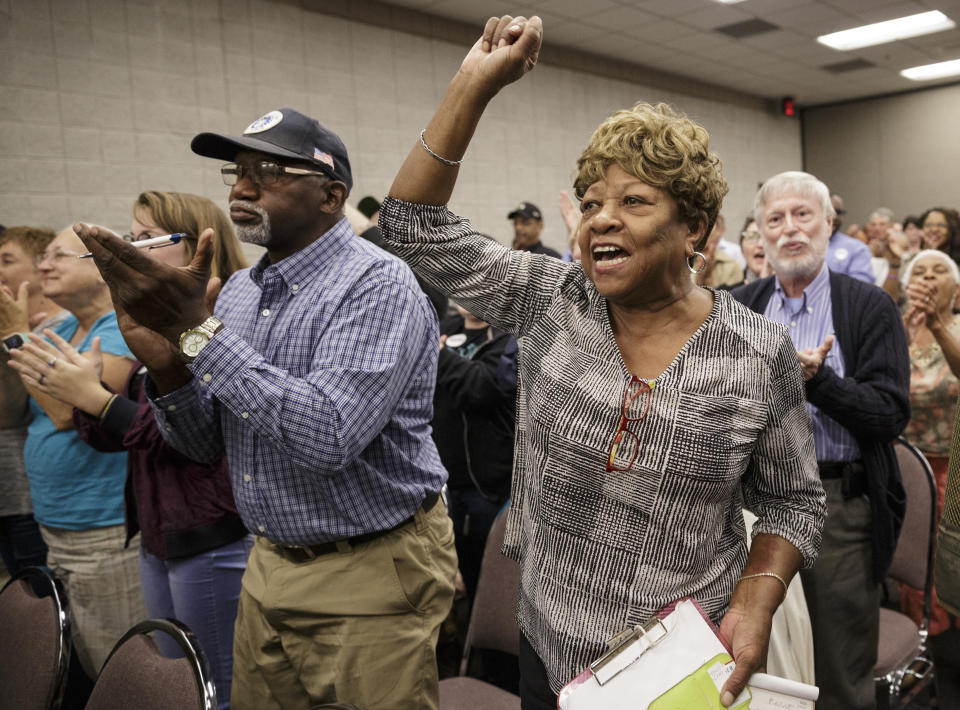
(899, 152)
(101, 98)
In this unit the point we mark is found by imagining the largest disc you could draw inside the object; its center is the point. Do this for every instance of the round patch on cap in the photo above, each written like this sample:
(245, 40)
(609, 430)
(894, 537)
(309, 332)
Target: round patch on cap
(264, 123)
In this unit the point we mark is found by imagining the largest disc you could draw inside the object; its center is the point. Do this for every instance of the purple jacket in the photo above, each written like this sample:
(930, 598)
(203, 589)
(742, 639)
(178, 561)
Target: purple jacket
(181, 507)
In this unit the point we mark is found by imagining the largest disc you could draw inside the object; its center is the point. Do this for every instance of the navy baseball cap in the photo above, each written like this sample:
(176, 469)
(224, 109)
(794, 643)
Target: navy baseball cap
(283, 133)
(526, 209)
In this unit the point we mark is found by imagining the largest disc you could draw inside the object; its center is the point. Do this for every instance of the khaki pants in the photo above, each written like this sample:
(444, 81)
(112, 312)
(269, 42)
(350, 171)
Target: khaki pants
(358, 625)
(102, 581)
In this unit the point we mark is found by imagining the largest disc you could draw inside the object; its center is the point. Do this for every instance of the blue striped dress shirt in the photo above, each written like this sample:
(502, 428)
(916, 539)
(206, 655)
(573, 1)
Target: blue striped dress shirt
(319, 389)
(809, 320)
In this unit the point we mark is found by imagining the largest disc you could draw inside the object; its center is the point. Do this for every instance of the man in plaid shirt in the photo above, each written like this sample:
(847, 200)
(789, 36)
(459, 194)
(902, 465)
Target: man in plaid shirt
(315, 376)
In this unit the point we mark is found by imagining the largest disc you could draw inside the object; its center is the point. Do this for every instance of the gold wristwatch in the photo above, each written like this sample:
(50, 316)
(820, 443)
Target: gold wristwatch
(193, 340)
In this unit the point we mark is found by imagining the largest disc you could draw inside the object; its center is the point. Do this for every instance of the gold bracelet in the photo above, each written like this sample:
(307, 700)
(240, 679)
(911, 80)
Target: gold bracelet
(106, 407)
(767, 574)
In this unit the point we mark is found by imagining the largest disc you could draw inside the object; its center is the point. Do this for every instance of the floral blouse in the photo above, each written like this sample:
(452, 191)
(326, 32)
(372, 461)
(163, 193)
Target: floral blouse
(933, 397)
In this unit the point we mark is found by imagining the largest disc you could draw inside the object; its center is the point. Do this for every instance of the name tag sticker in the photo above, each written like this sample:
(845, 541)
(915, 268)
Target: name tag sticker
(719, 672)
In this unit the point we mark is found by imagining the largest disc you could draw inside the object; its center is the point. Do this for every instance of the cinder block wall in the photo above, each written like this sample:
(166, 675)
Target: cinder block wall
(99, 100)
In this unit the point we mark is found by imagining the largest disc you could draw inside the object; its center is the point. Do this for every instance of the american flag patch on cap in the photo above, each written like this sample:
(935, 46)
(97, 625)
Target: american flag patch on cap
(325, 158)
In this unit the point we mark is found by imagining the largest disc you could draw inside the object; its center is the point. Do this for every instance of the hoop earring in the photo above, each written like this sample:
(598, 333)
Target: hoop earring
(703, 262)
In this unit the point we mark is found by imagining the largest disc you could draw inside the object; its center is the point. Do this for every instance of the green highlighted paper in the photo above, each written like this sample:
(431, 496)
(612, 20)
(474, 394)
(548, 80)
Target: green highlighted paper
(701, 689)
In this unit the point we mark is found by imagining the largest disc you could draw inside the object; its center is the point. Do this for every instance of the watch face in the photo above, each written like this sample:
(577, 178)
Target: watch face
(193, 342)
(12, 342)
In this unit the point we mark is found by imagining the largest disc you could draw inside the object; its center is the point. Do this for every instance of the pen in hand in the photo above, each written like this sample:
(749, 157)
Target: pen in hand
(152, 243)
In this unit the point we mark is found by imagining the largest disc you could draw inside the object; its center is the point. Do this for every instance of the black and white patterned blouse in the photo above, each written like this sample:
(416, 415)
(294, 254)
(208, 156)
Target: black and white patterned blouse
(726, 428)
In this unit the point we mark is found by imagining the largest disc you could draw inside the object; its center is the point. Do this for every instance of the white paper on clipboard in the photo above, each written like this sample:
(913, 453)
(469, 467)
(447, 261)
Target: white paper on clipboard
(670, 662)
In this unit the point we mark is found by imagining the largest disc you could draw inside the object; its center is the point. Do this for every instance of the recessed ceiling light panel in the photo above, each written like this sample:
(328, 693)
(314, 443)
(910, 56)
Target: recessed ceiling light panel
(933, 71)
(889, 31)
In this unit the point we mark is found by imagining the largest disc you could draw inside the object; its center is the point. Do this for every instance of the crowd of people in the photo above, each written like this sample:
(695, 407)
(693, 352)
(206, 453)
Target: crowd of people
(301, 459)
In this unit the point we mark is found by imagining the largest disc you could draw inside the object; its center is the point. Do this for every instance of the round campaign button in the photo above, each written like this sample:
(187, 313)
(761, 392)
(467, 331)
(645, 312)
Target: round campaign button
(456, 340)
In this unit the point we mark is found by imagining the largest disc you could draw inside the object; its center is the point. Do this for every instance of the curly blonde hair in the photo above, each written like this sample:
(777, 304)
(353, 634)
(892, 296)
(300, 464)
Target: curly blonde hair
(665, 149)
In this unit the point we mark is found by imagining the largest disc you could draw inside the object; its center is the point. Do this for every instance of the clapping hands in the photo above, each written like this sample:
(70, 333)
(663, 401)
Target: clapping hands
(922, 308)
(58, 370)
(812, 359)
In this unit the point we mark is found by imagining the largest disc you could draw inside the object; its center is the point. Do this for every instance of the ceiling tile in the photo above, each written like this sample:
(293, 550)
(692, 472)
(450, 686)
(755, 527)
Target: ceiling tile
(678, 37)
(882, 12)
(471, 12)
(763, 8)
(852, 7)
(706, 40)
(807, 14)
(895, 53)
(574, 34)
(773, 40)
(573, 8)
(778, 68)
(622, 19)
(715, 15)
(669, 8)
(812, 53)
(749, 61)
(661, 30)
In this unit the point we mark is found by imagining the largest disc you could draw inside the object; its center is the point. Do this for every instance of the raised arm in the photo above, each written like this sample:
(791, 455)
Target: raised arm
(509, 289)
(507, 50)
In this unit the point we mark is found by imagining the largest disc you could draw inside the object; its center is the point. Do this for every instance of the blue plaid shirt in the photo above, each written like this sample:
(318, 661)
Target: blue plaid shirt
(319, 390)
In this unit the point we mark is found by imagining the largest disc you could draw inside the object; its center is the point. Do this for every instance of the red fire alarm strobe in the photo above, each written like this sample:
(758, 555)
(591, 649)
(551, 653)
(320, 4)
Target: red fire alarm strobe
(787, 106)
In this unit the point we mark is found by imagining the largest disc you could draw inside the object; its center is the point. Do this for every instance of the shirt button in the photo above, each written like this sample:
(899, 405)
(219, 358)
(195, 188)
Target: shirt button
(245, 415)
(207, 377)
(809, 310)
(171, 408)
(260, 528)
(168, 427)
(266, 311)
(246, 478)
(295, 287)
(793, 323)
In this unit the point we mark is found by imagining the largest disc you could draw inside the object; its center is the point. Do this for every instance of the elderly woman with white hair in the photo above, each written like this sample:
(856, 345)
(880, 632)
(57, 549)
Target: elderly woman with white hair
(931, 283)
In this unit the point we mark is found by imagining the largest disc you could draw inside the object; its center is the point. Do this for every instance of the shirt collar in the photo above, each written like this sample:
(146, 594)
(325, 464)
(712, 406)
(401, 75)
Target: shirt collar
(812, 292)
(302, 264)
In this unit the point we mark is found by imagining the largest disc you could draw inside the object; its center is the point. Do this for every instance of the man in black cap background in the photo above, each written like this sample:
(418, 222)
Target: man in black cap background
(315, 376)
(527, 225)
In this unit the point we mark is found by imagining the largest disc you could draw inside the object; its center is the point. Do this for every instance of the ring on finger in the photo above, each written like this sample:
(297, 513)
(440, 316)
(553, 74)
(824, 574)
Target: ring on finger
(40, 379)
(53, 361)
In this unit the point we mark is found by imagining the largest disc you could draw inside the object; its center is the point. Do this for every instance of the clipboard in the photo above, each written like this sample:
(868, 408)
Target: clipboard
(675, 661)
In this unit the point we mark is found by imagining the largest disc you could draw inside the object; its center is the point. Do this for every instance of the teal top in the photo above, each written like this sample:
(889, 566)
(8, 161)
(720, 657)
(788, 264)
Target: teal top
(73, 486)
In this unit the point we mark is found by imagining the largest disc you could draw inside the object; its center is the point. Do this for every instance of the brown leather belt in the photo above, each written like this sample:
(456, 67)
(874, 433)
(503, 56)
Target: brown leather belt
(305, 553)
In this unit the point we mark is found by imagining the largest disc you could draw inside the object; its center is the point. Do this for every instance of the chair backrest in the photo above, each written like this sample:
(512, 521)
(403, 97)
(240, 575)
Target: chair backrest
(137, 676)
(493, 621)
(34, 641)
(913, 559)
